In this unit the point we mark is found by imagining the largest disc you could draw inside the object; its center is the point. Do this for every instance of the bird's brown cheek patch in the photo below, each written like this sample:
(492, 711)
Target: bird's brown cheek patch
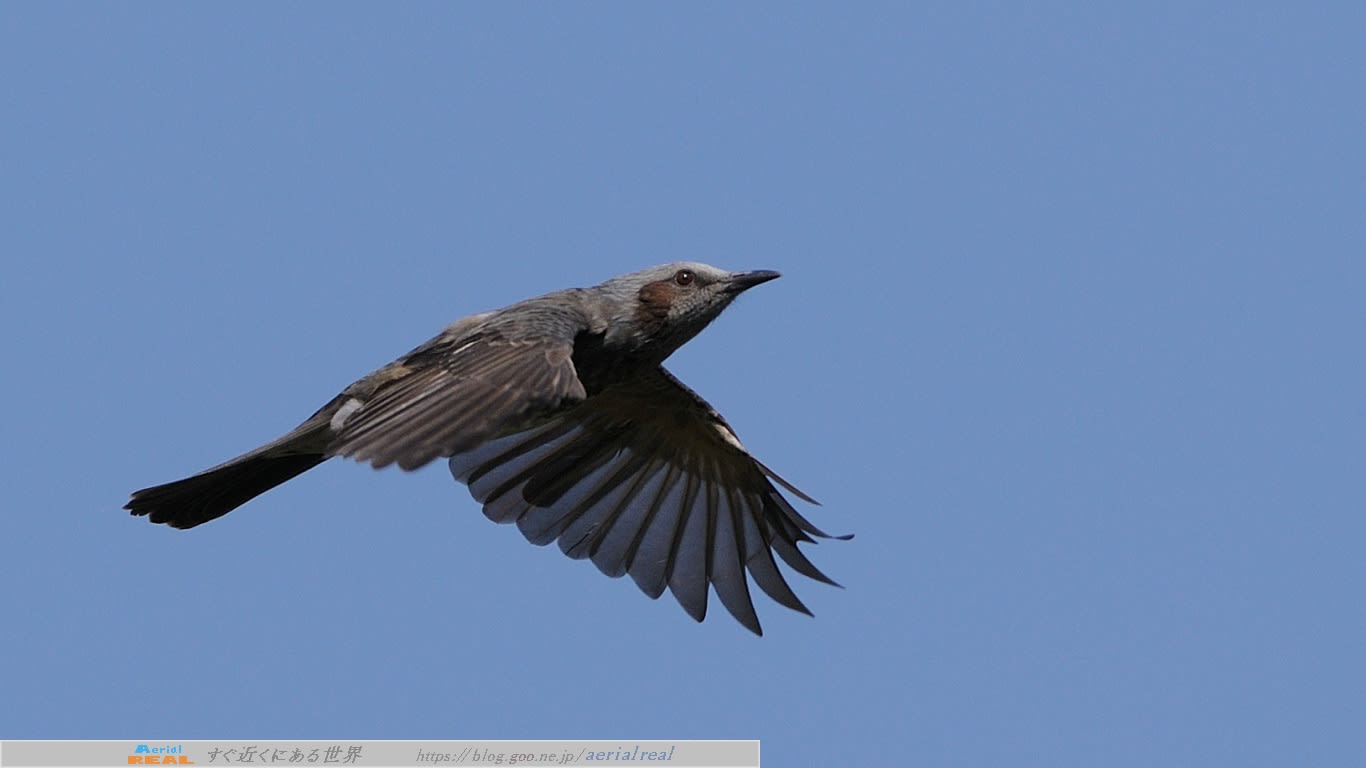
(655, 301)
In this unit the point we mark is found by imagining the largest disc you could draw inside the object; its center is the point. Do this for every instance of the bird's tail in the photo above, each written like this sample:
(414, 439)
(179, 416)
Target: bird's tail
(218, 491)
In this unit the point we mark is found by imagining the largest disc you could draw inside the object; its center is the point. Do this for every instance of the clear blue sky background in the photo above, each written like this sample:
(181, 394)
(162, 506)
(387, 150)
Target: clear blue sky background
(1069, 334)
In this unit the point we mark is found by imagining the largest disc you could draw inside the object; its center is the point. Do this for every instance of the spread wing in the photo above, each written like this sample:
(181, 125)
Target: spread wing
(646, 478)
(453, 394)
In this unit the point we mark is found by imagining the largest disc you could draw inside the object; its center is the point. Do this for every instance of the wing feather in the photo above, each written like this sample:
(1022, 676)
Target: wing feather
(651, 560)
(646, 478)
(727, 566)
(455, 395)
(691, 552)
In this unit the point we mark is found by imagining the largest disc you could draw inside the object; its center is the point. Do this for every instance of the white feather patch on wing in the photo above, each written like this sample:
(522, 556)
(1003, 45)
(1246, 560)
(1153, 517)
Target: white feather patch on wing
(343, 413)
(729, 436)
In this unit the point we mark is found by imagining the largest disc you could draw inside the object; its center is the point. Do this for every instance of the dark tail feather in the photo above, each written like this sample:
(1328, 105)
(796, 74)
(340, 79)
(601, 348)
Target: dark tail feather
(218, 491)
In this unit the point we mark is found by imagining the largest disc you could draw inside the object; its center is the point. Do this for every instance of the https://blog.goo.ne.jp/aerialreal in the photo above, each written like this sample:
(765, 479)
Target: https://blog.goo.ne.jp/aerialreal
(559, 416)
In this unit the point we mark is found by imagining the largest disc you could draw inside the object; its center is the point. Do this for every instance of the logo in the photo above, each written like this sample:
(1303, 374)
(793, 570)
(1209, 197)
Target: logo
(159, 754)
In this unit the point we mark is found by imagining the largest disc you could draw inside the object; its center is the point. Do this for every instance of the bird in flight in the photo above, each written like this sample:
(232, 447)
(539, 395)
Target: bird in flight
(558, 414)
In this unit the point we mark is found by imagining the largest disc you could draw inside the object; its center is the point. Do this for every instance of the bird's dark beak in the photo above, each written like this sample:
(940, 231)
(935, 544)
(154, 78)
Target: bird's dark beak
(740, 281)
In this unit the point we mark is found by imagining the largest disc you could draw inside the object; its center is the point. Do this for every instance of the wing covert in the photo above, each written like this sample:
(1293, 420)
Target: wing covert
(449, 396)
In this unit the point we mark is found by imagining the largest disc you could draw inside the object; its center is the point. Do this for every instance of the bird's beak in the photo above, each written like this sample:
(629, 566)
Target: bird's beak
(740, 281)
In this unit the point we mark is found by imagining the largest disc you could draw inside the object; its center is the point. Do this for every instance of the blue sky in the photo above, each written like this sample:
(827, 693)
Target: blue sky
(1069, 335)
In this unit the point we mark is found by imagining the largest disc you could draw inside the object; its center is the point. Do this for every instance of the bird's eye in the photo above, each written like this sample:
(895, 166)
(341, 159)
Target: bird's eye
(684, 277)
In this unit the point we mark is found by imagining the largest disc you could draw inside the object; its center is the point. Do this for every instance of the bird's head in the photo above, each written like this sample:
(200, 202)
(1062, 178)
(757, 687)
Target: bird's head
(661, 308)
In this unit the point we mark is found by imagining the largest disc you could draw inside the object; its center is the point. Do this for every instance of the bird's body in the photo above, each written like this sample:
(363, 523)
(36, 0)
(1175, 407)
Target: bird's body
(557, 413)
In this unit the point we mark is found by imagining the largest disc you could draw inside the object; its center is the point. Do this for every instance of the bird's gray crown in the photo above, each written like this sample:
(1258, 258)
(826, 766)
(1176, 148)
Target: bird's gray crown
(632, 282)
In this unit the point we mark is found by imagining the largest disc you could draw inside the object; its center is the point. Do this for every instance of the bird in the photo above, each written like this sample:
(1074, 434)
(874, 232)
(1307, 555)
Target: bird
(559, 416)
